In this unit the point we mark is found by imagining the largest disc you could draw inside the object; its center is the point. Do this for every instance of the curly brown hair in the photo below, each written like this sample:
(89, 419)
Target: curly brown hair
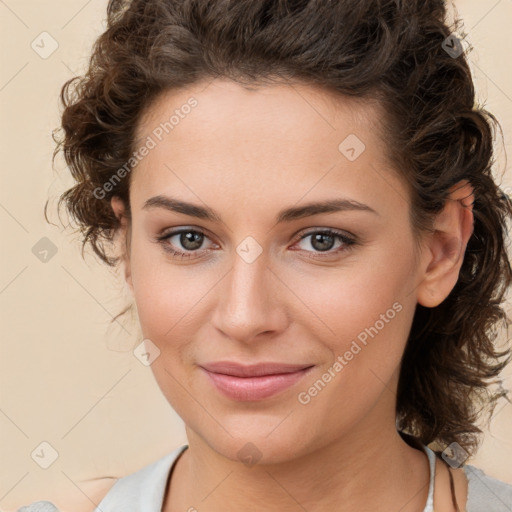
(394, 51)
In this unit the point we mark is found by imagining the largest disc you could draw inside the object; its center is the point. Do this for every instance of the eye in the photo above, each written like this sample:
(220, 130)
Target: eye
(324, 240)
(186, 244)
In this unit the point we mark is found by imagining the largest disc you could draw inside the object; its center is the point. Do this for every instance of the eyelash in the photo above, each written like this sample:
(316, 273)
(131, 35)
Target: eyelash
(347, 243)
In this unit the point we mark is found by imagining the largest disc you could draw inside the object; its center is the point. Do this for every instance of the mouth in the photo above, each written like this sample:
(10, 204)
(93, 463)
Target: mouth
(253, 382)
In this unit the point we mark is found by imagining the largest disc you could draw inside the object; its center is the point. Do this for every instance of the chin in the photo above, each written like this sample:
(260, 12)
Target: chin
(255, 446)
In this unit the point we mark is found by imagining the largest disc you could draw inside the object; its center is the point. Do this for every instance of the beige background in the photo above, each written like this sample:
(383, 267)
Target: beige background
(68, 377)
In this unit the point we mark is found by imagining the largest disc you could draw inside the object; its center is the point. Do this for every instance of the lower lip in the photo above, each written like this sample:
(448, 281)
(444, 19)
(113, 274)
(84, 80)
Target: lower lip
(255, 388)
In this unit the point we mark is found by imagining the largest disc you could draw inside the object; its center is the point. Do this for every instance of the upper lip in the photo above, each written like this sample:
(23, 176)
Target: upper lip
(253, 370)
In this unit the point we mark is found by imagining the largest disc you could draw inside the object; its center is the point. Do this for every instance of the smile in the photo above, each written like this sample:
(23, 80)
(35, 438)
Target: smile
(253, 383)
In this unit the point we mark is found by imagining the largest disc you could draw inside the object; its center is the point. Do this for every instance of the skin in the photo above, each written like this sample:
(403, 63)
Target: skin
(248, 154)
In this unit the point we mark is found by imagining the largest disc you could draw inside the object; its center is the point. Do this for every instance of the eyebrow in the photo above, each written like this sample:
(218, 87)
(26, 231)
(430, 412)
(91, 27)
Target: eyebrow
(286, 215)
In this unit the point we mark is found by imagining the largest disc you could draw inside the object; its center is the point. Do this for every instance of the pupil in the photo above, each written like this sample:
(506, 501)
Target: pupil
(321, 237)
(191, 238)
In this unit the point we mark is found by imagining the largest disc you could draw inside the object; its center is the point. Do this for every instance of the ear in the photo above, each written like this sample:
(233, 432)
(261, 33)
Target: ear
(446, 246)
(119, 209)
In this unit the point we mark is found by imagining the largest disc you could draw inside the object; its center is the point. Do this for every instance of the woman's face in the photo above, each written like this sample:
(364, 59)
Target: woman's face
(255, 280)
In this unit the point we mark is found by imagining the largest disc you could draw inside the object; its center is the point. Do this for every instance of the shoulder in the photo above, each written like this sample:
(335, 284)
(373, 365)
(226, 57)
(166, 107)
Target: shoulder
(142, 490)
(149, 481)
(152, 476)
(485, 493)
(86, 503)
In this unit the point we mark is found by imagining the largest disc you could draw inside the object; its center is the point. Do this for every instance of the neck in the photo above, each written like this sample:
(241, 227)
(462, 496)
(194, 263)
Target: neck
(363, 470)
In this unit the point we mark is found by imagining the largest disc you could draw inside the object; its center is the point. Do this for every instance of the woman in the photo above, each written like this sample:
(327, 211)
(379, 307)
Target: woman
(302, 198)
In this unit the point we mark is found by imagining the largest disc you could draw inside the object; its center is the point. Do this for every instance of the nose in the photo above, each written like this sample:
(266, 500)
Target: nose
(250, 302)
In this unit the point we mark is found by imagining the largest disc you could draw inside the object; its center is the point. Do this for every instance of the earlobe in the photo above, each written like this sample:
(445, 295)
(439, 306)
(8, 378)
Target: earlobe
(118, 207)
(446, 246)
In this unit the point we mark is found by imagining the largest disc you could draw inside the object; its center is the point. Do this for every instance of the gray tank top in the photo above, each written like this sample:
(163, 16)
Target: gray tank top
(144, 490)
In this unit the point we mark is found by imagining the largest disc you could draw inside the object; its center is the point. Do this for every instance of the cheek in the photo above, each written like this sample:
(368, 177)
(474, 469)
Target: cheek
(347, 301)
(168, 300)
(361, 313)
(167, 295)
(365, 330)
(369, 333)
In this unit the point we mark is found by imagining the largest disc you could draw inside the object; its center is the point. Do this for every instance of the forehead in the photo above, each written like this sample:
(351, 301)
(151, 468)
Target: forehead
(225, 101)
(258, 139)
